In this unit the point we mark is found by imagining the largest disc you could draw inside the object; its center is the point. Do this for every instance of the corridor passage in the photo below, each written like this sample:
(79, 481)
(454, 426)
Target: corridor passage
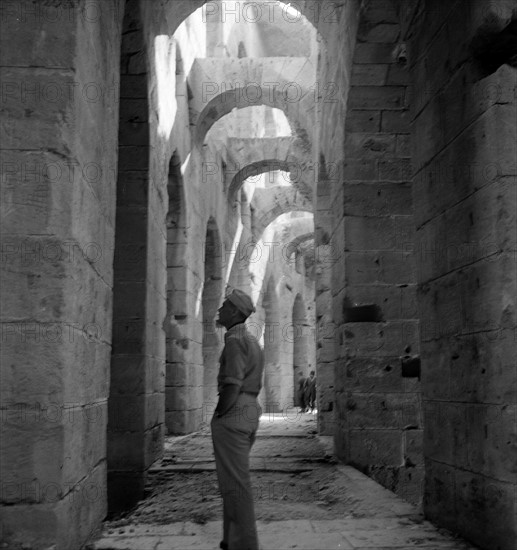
(303, 499)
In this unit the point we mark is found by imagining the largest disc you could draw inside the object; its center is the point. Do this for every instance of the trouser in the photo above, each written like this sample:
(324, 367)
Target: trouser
(233, 436)
(310, 400)
(301, 399)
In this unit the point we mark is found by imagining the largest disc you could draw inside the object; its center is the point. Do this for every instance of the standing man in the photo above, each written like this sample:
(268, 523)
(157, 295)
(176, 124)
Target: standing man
(235, 421)
(310, 391)
(301, 391)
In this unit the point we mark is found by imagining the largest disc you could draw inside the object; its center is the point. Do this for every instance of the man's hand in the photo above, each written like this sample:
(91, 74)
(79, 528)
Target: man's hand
(227, 399)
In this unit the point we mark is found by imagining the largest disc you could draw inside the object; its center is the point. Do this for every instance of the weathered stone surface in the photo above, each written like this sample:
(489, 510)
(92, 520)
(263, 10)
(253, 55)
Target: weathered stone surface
(372, 375)
(394, 338)
(373, 53)
(386, 410)
(377, 97)
(451, 241)
(456, 164)
(62, 521)
(369, 145)
(56, 45)
(363, 121)
(384, 267)
(393, 233)
(395, 121)
(464, 173)
(371, 448)
(377, 200)
(395, 302)
(369, 74)
(486, 502)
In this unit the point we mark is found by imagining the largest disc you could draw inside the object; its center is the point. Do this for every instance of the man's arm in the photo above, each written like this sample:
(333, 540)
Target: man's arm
(227, 399)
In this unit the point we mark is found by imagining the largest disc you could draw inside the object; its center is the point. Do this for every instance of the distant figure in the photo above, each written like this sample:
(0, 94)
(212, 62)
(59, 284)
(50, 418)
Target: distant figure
(310, 391)
(300, 391)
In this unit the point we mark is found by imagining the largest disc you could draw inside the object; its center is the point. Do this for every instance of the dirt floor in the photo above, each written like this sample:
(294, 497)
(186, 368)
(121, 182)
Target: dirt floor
(293, 477)
(304, 499)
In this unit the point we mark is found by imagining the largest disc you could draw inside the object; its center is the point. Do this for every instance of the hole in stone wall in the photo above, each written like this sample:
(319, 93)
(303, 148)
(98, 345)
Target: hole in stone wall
(369, 313)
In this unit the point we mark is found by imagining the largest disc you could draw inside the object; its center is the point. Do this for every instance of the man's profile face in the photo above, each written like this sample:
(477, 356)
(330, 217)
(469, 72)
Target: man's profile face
(226, 314)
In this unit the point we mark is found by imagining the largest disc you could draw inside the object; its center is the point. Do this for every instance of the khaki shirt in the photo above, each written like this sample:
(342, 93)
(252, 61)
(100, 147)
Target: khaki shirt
(242, 360)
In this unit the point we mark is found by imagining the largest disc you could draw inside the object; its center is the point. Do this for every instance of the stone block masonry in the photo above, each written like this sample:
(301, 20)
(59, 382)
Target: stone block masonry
(465, 204)
(378, 408)
(58, 172)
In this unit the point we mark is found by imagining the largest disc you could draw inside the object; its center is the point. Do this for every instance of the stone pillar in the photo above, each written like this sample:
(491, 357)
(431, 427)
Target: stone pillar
(326, 342)
(136, 403)
(211, 300)
(60, 67)
(379, 410)
(180, 372)
(272, 343)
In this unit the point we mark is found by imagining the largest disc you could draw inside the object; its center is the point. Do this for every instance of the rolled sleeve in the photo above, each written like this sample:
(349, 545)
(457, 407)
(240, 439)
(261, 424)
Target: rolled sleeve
(233, 364)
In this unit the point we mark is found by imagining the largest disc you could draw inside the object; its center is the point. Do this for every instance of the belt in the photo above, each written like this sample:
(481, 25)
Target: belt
(250, 393)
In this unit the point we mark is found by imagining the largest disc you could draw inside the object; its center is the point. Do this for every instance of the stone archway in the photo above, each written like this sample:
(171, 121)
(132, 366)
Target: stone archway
(268, 205)
(294, 245)
(255, 156)
(261, 82)
(286, 201)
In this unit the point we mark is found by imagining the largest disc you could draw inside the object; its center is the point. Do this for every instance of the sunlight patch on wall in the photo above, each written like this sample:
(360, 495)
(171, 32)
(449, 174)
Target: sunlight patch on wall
(165, 66)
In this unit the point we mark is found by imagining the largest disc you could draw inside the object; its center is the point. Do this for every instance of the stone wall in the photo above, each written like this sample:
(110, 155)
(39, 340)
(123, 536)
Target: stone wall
(60, 81)
(379, 409)
(465, 155)
(338, 29)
